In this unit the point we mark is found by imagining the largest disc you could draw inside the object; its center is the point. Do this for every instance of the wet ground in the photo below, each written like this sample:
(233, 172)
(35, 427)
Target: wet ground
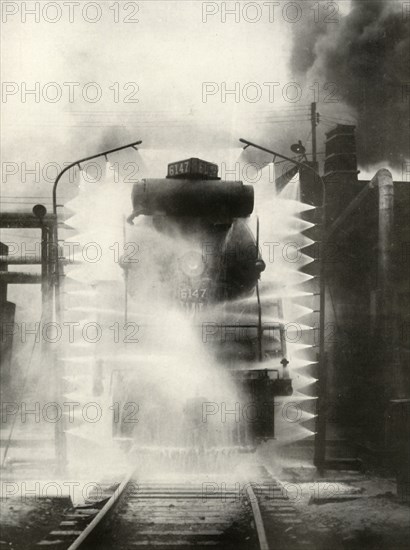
(350, 511)
(25, 521)
(344, 510)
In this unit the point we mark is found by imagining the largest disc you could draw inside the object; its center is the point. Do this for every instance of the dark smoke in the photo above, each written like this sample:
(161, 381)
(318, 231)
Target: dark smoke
(367, 56)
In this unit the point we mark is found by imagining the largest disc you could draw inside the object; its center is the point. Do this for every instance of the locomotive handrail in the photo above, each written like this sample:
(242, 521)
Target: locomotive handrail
(258, 299)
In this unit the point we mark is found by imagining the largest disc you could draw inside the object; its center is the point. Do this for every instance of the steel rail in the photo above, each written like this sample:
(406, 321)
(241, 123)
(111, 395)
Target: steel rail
(118, 493)
(103, 512)
(257, 516)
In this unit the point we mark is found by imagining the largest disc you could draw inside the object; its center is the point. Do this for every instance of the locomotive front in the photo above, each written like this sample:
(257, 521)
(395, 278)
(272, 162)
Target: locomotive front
(218, 280)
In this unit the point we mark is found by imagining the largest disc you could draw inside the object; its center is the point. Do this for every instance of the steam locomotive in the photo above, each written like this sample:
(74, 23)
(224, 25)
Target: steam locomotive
(220, 279)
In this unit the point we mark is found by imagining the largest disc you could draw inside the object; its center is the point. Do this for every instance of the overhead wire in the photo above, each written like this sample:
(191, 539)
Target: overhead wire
(338, 119)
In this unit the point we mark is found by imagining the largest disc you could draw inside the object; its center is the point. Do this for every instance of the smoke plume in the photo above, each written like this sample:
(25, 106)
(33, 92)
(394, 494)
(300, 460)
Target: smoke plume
(366, 54)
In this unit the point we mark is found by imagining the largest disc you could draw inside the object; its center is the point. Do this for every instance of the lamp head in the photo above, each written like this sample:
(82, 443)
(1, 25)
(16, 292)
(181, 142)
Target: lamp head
(39, 210)
(298, 148)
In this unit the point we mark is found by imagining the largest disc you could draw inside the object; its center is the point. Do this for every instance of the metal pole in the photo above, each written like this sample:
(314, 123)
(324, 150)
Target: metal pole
(314, 124)
(60, 442)
(124, 227)
(319, 458)
(320, 437)
(45, 272)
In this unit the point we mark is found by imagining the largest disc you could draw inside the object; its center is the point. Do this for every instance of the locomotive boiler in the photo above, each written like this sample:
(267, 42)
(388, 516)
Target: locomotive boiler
(217, 283)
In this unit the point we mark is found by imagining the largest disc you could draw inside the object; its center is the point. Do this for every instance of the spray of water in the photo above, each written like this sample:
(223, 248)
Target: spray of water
(146, 365)
(282, 242)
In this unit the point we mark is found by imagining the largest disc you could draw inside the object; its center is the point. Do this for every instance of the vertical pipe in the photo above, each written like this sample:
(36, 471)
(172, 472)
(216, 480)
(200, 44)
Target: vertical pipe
(386, 204)
(385, 317)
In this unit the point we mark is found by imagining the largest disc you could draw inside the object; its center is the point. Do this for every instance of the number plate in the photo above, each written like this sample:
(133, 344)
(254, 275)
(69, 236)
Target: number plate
(197, 295)
(192, 167)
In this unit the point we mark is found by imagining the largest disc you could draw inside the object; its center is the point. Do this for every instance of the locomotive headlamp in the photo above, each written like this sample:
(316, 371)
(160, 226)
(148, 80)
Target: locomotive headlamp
(192, 264)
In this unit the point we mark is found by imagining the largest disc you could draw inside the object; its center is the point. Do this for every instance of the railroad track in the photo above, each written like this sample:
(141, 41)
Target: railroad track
(175, 513)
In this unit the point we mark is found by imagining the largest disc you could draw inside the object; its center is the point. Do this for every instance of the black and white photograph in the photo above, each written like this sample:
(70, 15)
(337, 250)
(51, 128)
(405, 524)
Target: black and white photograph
(204, 275)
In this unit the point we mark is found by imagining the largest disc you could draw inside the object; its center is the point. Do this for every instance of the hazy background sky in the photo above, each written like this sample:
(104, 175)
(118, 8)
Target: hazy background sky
(348, 56)
(169, 53)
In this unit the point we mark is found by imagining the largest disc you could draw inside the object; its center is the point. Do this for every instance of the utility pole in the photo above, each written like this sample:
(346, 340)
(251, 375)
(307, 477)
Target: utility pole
(314, 119)
(320, 437)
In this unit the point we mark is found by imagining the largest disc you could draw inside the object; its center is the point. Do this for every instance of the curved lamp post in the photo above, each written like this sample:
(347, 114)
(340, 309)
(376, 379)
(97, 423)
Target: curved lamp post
(76, 163)
(60, 444)
(80, 161)
(320, 437)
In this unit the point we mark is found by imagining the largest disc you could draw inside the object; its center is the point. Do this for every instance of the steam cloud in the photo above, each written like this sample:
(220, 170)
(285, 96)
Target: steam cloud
(366, 55)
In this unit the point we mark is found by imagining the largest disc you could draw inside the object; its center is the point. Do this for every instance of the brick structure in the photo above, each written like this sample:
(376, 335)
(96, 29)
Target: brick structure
(367, 299)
